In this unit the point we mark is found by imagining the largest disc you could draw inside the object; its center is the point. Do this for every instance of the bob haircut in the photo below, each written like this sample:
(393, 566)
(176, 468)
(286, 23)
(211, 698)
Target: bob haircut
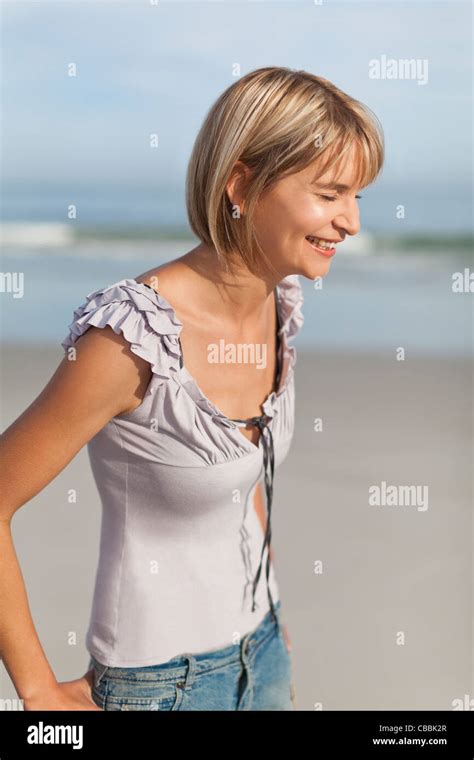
(277, 121)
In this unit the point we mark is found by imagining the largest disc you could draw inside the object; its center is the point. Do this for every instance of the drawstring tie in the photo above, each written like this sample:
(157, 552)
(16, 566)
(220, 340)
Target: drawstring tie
(269, 465)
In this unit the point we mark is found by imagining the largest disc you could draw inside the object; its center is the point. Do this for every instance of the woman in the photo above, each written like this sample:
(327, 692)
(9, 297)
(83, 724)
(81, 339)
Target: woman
(181, 382)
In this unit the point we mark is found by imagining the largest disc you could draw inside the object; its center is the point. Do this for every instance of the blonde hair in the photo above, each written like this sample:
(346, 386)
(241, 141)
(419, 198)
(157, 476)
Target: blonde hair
(276, 121)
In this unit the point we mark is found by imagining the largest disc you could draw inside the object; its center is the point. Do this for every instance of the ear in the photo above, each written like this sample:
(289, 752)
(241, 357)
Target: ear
(237, 184)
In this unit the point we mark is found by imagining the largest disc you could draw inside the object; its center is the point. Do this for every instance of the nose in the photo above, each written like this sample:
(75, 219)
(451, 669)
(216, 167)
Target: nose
(349, 219)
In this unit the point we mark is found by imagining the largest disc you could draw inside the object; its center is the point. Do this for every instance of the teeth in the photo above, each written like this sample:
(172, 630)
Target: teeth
(320, 243)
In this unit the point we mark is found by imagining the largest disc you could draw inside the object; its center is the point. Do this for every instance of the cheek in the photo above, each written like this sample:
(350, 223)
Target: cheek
(309, 216)
(291, 215)
(302, 210)
(319, 208)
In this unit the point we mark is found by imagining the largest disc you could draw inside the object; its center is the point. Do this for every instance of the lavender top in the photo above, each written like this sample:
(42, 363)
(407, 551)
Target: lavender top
(180, 537)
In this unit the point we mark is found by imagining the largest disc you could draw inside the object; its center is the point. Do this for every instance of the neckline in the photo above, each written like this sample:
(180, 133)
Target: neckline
(192, 387)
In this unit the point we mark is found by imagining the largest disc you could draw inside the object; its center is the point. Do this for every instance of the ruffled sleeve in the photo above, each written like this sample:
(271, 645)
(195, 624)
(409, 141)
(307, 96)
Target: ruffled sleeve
(143, 316)
(292, 303)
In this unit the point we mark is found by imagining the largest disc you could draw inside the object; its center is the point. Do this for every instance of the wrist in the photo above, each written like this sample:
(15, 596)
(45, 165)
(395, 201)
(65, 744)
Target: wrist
(34, 689)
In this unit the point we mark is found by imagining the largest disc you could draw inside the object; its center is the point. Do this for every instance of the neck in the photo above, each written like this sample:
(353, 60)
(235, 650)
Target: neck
(242, 294)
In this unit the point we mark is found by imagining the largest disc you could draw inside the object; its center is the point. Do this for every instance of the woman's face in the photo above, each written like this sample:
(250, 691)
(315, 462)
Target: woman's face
(295, 217)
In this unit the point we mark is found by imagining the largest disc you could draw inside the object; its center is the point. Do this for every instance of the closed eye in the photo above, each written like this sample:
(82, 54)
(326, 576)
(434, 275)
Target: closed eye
(334, 197)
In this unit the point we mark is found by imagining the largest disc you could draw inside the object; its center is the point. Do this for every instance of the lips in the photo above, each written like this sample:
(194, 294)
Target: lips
(326, 251)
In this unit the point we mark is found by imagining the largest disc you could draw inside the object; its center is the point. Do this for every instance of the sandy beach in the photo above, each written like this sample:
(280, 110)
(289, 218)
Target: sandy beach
(377, 597)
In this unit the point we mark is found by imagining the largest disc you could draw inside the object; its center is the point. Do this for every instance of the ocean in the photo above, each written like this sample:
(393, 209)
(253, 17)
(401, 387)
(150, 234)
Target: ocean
(381, 293)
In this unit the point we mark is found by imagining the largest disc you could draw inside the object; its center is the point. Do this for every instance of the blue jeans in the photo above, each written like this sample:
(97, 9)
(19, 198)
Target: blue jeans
(255, 674)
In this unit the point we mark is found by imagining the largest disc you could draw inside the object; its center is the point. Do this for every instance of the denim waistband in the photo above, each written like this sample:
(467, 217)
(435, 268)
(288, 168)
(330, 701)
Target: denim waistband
(191, 664)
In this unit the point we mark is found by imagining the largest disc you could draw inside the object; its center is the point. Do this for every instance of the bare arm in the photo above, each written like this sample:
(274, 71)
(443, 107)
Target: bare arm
(104, 380)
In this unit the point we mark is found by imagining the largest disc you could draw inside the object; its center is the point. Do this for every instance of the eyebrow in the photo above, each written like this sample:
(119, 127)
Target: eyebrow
(339, 188)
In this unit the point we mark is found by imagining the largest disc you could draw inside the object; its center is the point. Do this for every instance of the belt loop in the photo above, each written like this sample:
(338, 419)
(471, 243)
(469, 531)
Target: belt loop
(246, 684)
(100, 675)
(190, 672)
(244, 642)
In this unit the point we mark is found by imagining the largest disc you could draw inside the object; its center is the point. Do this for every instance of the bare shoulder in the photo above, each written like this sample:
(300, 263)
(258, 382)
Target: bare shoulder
(167, 279)
(104, 358)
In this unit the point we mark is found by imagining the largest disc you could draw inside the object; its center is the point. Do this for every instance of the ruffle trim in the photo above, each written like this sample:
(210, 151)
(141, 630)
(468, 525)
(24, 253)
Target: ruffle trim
(146, 320)
(149, 323)
(291, 306)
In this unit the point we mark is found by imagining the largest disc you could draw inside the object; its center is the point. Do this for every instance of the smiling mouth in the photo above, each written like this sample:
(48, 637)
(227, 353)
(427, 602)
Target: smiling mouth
(326, 247)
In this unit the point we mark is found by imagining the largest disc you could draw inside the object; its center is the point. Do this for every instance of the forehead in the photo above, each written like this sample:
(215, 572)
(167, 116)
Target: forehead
(343, 173)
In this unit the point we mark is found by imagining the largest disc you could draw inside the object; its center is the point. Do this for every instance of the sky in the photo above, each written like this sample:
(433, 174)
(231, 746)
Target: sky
(148, 67)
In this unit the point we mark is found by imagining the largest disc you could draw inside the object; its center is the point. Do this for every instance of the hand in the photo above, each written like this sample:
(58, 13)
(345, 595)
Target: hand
(286, 637)
(70, 695)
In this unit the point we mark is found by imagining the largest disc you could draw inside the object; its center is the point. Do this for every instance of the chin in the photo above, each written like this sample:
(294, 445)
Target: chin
(313, 269)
